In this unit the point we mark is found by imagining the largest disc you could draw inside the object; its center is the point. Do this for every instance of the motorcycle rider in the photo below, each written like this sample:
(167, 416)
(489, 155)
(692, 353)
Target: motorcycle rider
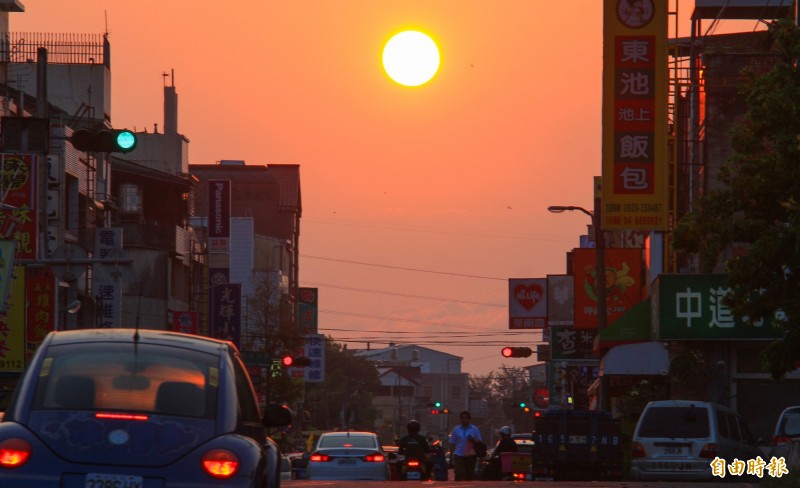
(492, 471)
(415, 446)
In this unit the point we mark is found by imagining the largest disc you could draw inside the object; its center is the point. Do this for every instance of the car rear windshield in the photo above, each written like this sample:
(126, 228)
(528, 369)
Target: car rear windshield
(123, 377)
(674, 422)
(790, 424)
(344, 440)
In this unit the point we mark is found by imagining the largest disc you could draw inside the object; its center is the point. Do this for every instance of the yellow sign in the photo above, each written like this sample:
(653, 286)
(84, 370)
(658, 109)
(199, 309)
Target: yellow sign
(12, 326)
(634, 115)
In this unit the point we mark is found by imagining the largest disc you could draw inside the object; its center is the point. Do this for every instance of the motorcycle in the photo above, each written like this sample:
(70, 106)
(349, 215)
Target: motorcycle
(413, 469)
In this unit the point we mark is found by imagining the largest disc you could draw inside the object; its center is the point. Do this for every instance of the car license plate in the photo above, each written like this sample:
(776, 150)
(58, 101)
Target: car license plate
(412, 475)
(96, 480)
(673, 451)
(347, 461)
(663, 466)
(577, 439)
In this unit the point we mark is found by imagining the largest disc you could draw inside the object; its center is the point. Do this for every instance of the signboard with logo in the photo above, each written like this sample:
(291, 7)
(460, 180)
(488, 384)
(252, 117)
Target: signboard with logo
(307, 310)
(634, 114)
(623, 279)
(527, 303)
(185, 322)
(40, 291)
(18, 221)
(691, 307)
(226, 313)
(569, 343)
(219, 215)
(12, 326)
(314, 349)
(560, 300)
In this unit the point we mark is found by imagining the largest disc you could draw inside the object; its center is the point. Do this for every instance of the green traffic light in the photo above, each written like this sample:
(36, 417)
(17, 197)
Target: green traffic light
(522, 405)
(437, 404)
(126, 140)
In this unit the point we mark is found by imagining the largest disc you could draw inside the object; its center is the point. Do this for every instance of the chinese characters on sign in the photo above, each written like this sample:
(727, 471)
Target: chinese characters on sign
(226, 312)
(622, 274)
(18, 216)
(527, 303)
(185, 322)
(314, 350)
(569, 343)
(40, 287)
(634, 116)
(307, 310)
(693, 307)
(12, 326)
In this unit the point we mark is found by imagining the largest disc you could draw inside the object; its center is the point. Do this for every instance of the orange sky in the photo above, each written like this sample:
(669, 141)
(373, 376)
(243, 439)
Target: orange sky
(454, 176)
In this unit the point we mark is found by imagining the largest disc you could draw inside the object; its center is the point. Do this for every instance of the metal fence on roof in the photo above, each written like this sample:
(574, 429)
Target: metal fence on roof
(22, 47)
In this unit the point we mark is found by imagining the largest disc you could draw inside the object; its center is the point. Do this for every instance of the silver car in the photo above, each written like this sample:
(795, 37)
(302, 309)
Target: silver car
(679, 439)
(348, 456)
(787, 431)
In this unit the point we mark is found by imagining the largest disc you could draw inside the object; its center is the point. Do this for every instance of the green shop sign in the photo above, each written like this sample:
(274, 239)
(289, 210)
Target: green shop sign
(691, 307)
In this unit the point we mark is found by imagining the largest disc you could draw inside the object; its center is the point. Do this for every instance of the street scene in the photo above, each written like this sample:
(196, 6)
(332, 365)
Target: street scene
(475, 243)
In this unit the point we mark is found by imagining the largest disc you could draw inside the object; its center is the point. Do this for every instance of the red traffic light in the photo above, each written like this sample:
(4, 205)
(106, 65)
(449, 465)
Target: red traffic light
(516, 352)
(296, 361)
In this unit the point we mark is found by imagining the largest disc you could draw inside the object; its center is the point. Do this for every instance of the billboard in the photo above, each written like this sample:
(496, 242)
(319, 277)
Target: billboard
(219, 215)
(18, 220)
(308, 310)
(226, 313)
(634, 115)
(560, 300)
(623, 280)
(527, 303)
(691, 307)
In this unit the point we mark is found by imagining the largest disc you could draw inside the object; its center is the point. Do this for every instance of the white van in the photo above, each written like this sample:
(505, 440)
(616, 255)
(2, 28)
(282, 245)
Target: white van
(678, 440)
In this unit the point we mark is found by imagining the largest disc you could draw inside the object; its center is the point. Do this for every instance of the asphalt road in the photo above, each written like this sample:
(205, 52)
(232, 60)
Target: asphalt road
(521, 484)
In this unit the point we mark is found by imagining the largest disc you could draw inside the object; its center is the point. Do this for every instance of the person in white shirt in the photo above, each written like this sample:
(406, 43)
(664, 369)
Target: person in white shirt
(462, 447)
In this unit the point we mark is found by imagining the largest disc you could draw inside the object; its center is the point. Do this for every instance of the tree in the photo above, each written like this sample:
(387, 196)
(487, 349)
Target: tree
(344, 400)
(272, 333)
(749, 224)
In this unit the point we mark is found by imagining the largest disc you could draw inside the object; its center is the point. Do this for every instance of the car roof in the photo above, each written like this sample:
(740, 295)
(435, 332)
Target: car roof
(162, 337)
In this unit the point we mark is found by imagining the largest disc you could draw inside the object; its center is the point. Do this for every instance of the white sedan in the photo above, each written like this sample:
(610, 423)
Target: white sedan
(348, 456)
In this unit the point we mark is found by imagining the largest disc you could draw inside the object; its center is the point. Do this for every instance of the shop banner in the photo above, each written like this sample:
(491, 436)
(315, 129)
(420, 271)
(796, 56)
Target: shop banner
(527, 303)
(623, 281)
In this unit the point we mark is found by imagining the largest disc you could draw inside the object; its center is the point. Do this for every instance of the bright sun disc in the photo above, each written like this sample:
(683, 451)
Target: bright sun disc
(411, 58)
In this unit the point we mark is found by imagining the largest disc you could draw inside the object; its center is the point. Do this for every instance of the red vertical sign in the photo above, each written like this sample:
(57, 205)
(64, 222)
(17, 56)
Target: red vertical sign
(40, 287)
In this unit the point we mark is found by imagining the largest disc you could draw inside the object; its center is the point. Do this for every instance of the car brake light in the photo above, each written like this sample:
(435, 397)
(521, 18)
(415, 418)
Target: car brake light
(518, 476)
(413, 463)
(779, 440)
(14, 452)
(319, 458)
(220, 463)
(119, 416)
(709, 451)
(637, 450)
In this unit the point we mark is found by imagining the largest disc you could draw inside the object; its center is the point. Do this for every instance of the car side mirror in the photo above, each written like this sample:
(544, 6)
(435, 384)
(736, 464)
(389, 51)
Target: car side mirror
(277, 416)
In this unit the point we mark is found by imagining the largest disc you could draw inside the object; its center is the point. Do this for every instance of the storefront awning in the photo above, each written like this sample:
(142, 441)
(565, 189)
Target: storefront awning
(644, 358)
(633, 326)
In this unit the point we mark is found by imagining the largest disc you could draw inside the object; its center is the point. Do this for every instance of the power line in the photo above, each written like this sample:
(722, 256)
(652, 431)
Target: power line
(404, 268)
(405, 295)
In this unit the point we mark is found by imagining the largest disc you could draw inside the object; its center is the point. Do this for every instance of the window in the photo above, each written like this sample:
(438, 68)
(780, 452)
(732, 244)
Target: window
(130, 198)
(689, 422)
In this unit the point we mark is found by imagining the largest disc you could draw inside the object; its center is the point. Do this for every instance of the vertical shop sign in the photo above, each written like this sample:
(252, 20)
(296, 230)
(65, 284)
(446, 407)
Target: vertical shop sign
(226, 312)
(40, 291)
(18, 219)
(219, 215)
(634, 115)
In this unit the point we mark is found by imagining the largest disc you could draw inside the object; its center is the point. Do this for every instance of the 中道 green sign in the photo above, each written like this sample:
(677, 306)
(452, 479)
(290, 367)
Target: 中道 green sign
(692, 307)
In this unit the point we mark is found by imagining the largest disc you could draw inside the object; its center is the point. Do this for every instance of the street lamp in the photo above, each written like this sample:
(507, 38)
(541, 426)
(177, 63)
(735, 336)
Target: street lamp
(600, 274)
(600, 266)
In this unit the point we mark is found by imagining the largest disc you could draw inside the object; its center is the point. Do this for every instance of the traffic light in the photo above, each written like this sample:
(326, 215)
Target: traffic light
(296, 361)
(104, 140)
(516, 352)
(524, 406)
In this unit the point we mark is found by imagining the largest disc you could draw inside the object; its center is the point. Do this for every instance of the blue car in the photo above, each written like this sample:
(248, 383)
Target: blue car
(137, 409)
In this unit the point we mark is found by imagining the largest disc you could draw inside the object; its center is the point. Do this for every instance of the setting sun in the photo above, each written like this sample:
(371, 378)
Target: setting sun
(411, 58)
